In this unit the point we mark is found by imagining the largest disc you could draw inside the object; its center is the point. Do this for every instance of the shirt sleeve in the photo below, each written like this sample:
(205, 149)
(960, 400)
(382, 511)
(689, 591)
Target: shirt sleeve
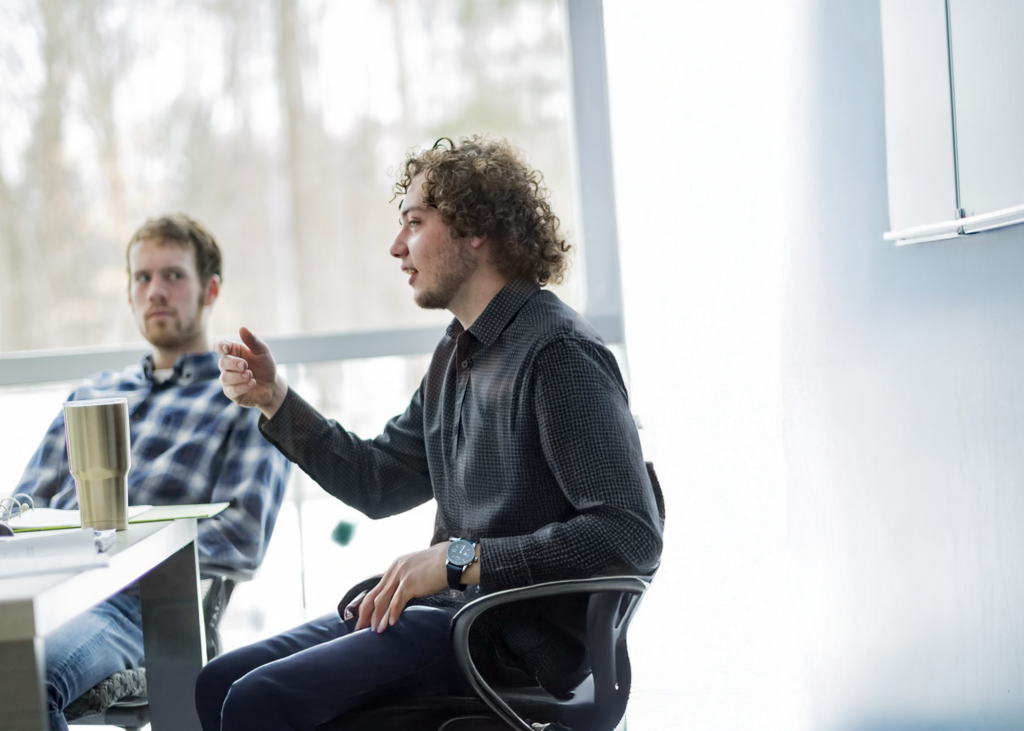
(590, 443)
(252, 480)
(47, 471)
(378, 477)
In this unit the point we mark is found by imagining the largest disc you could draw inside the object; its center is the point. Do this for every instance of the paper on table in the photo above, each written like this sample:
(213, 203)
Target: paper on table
(49, 552)
(49, 543)
(176, 512)
(105, 539)
(53, 518)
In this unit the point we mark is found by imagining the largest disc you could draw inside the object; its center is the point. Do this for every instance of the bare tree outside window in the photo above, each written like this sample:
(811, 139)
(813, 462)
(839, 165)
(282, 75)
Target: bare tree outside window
(278, 123)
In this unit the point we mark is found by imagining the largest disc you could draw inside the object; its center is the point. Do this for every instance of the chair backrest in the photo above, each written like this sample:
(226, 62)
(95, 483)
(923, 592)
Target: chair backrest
(601, 700)
(608, 618)
(659, 498)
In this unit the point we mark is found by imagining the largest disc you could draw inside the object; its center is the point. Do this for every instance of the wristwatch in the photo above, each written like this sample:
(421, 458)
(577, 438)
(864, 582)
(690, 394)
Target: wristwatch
(461, 553)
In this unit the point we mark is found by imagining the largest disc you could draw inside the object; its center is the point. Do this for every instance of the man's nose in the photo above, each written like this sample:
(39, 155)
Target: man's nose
(398, 249)
(157, 291)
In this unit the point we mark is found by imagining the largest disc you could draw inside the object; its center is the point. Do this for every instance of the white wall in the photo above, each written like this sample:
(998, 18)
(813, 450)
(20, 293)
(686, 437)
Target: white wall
(699, 125)
(838, 422)
(904, 429)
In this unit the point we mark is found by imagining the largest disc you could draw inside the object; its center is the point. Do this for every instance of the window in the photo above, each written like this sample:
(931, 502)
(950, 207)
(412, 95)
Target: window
(277, 123)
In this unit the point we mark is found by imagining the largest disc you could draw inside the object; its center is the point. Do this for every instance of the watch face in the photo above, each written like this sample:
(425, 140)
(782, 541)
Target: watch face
(461, 553)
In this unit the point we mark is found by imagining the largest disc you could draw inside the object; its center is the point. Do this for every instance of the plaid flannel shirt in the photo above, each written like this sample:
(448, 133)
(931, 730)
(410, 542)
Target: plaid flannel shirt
(190, 444)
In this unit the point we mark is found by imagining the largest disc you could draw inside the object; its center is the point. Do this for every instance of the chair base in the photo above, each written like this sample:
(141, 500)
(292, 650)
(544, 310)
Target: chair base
(128, 717)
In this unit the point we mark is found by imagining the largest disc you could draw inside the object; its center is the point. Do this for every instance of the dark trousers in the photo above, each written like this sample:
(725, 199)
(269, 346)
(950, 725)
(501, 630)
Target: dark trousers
(309, 675)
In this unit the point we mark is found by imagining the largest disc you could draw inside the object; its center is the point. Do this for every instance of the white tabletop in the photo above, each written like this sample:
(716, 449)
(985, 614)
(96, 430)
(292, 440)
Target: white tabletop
(33, 606)
(162, 558)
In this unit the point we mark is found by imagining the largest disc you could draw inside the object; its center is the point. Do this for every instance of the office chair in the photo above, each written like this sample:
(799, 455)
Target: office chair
(597, 704)
(121, 700)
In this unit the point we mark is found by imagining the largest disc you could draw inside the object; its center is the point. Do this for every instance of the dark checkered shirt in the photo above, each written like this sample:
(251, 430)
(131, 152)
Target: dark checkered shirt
(522, 433)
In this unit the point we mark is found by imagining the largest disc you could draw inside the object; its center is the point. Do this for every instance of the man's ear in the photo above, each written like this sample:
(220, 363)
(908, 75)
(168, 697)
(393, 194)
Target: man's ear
(212, 290)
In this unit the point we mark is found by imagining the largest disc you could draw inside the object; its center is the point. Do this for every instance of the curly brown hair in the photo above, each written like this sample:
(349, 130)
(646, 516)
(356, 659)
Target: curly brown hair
(484, 188)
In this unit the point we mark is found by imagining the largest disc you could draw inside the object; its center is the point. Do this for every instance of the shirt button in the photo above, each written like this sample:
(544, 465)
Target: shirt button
(465, 364)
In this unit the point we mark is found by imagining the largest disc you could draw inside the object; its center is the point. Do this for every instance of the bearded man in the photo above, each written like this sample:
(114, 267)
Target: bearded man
(189, 444)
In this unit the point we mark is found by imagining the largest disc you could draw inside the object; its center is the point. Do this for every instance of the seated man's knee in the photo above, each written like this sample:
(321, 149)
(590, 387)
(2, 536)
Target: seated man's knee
(212, 686)
(256, 697)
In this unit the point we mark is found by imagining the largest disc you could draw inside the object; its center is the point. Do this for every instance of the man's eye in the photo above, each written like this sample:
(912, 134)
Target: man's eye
(142, 278)
(413, 222)
(174, 276)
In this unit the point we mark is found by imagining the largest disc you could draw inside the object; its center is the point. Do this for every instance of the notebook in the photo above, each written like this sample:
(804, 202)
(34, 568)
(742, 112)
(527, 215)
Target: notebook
(35, 519)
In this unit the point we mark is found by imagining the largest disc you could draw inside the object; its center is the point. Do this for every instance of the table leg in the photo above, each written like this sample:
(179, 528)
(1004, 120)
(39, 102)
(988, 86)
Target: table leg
(174, 640)
(22, 698)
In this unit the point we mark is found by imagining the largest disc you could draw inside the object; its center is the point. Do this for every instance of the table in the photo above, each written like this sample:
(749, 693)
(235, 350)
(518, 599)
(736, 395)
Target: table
(162, 557)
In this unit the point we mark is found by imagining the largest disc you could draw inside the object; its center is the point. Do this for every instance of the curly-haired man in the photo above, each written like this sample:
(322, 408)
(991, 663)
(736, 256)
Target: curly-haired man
(520, 431)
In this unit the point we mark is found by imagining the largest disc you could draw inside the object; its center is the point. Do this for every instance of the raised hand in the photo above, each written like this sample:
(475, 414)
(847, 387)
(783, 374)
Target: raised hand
(248, 373)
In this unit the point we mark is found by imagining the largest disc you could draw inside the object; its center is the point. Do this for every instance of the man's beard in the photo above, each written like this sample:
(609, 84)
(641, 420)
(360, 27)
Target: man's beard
(175, 332)
(456, 266)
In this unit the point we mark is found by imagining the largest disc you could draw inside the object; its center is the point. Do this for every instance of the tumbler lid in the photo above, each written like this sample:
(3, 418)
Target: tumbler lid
(96, 402)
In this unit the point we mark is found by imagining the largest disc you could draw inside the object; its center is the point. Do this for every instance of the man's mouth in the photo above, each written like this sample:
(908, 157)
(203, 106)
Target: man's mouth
(158, 313)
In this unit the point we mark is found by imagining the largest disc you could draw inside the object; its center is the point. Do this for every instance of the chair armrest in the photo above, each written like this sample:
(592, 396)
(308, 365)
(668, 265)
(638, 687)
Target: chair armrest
(603, 663)
(364, 585)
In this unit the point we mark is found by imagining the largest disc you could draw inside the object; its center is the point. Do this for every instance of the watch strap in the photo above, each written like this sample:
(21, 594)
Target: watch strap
(455, 576)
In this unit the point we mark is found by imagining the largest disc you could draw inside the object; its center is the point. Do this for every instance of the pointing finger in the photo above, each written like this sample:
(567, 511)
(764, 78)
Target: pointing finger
(254, 343)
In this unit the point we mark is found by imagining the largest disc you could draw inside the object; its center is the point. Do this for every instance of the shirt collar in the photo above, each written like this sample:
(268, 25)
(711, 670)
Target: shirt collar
(499, 312)
(187, 368)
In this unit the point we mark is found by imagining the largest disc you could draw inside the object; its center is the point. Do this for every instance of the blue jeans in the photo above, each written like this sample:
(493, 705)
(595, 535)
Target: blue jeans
(91, 648)
(318, 671)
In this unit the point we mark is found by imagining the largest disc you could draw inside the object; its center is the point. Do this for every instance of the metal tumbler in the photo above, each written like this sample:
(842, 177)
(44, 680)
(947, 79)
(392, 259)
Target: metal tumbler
(99, 456)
